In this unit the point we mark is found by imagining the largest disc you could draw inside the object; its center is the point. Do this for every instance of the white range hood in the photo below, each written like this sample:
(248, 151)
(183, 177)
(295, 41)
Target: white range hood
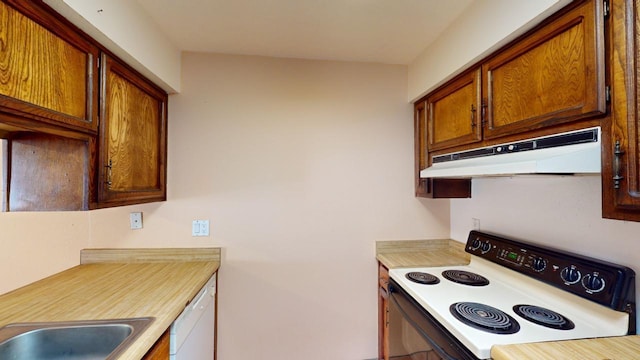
(575, 152)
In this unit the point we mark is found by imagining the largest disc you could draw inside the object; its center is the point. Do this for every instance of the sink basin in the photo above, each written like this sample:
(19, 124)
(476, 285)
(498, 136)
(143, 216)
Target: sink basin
(73, 340)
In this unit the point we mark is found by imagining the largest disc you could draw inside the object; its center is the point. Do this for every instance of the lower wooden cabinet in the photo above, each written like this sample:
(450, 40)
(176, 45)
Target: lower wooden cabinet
(383, 312)
(621, 131)
(160, 350)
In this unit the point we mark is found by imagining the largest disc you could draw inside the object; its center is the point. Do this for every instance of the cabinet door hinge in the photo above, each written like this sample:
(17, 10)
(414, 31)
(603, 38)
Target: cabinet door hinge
(607, 93)
(606, 9)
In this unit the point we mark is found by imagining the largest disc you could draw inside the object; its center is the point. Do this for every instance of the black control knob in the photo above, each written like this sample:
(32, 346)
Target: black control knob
(486, 247)
(538, 264)
(570, 275)
(475, 244)
(593, 283)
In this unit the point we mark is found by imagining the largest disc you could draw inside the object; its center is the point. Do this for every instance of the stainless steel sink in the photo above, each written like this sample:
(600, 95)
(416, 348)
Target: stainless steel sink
(74, 340)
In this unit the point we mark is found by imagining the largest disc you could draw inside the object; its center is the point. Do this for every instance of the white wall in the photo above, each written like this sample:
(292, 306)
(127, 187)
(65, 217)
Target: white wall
(560, 211)
(483, 27)
(124, 28)
(34, 245)
(300, 166)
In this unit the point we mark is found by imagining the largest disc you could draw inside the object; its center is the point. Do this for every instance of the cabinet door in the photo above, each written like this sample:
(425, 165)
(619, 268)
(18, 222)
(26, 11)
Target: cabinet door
(383, 312)
(39, 180)
(420, 145)
(432, 188)
(132, 137)
(453, 113)
(161, 349)
(553, 76)
(621, 132)
(46, 70)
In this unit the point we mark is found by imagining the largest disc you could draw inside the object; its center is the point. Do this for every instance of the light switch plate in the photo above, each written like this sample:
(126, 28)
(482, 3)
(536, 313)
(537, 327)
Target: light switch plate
(200, 228)
(135, 218)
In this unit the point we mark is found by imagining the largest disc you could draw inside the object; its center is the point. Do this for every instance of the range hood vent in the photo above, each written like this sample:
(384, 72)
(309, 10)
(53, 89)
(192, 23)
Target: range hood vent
(574, 152)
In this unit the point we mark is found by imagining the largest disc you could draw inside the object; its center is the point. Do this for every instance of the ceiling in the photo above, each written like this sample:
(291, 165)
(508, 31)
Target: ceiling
(383, 31)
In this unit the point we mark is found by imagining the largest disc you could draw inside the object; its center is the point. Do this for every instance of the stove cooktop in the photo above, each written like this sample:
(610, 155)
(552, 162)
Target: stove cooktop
(513, 292)
(503, 293)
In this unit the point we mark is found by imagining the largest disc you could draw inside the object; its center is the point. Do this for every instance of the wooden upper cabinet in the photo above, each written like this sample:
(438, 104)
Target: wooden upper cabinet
(621, 131)
(454, 113)
(46, 71)
(432, 188)
(420, 145)
(553, 76)
(132, 141)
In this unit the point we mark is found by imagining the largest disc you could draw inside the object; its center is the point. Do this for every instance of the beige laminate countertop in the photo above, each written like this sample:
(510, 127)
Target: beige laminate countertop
(114, 284)
(416, 253)
(613, 348)
(431, 253)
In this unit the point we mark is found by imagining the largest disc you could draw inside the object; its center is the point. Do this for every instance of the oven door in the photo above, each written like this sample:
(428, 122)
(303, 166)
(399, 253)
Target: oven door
(413, 334)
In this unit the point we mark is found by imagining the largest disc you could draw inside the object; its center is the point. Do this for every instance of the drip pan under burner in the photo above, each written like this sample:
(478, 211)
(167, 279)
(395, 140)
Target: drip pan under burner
(422, 278)
(484, 317)
(544, 317)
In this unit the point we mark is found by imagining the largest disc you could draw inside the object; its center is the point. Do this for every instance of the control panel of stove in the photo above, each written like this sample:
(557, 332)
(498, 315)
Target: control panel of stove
(599, 281)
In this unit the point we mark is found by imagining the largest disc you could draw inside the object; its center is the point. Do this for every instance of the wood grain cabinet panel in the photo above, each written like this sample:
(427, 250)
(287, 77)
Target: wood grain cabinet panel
(554, 76)
(383, 312)
(63, 96)
(40, 180)
(46, 73)
(621, 131)
(132, 140)
(453, 113)
(161, 349)
(432, 188)
(550, 79)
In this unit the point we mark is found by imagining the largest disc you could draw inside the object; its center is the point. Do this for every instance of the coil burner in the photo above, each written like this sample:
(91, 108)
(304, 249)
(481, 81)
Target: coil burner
(465, 277)
(484, 317)
(422, 278)
(544, 317)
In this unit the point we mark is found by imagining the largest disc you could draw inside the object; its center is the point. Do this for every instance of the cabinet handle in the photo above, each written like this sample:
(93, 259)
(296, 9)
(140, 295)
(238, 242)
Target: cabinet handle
(617, 164)
(473, 116)
(108, 180)
(483, 112)
(386, 318)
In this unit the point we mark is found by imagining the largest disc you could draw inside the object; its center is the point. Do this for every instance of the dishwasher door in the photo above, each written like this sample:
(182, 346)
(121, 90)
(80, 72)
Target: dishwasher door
(192, 334)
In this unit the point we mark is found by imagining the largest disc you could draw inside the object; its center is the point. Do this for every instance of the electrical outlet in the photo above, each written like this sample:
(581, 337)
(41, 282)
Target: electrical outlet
(476, 224)
(200, 228)
(135, 219)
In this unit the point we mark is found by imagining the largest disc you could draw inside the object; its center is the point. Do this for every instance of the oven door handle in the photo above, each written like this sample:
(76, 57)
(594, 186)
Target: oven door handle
(433, 344)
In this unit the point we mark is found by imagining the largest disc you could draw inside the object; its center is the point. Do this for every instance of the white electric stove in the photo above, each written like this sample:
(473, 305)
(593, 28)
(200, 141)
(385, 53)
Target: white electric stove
(511, 293)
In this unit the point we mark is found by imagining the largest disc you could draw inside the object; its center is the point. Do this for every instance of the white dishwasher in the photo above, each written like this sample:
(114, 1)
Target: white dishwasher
(192, 334)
